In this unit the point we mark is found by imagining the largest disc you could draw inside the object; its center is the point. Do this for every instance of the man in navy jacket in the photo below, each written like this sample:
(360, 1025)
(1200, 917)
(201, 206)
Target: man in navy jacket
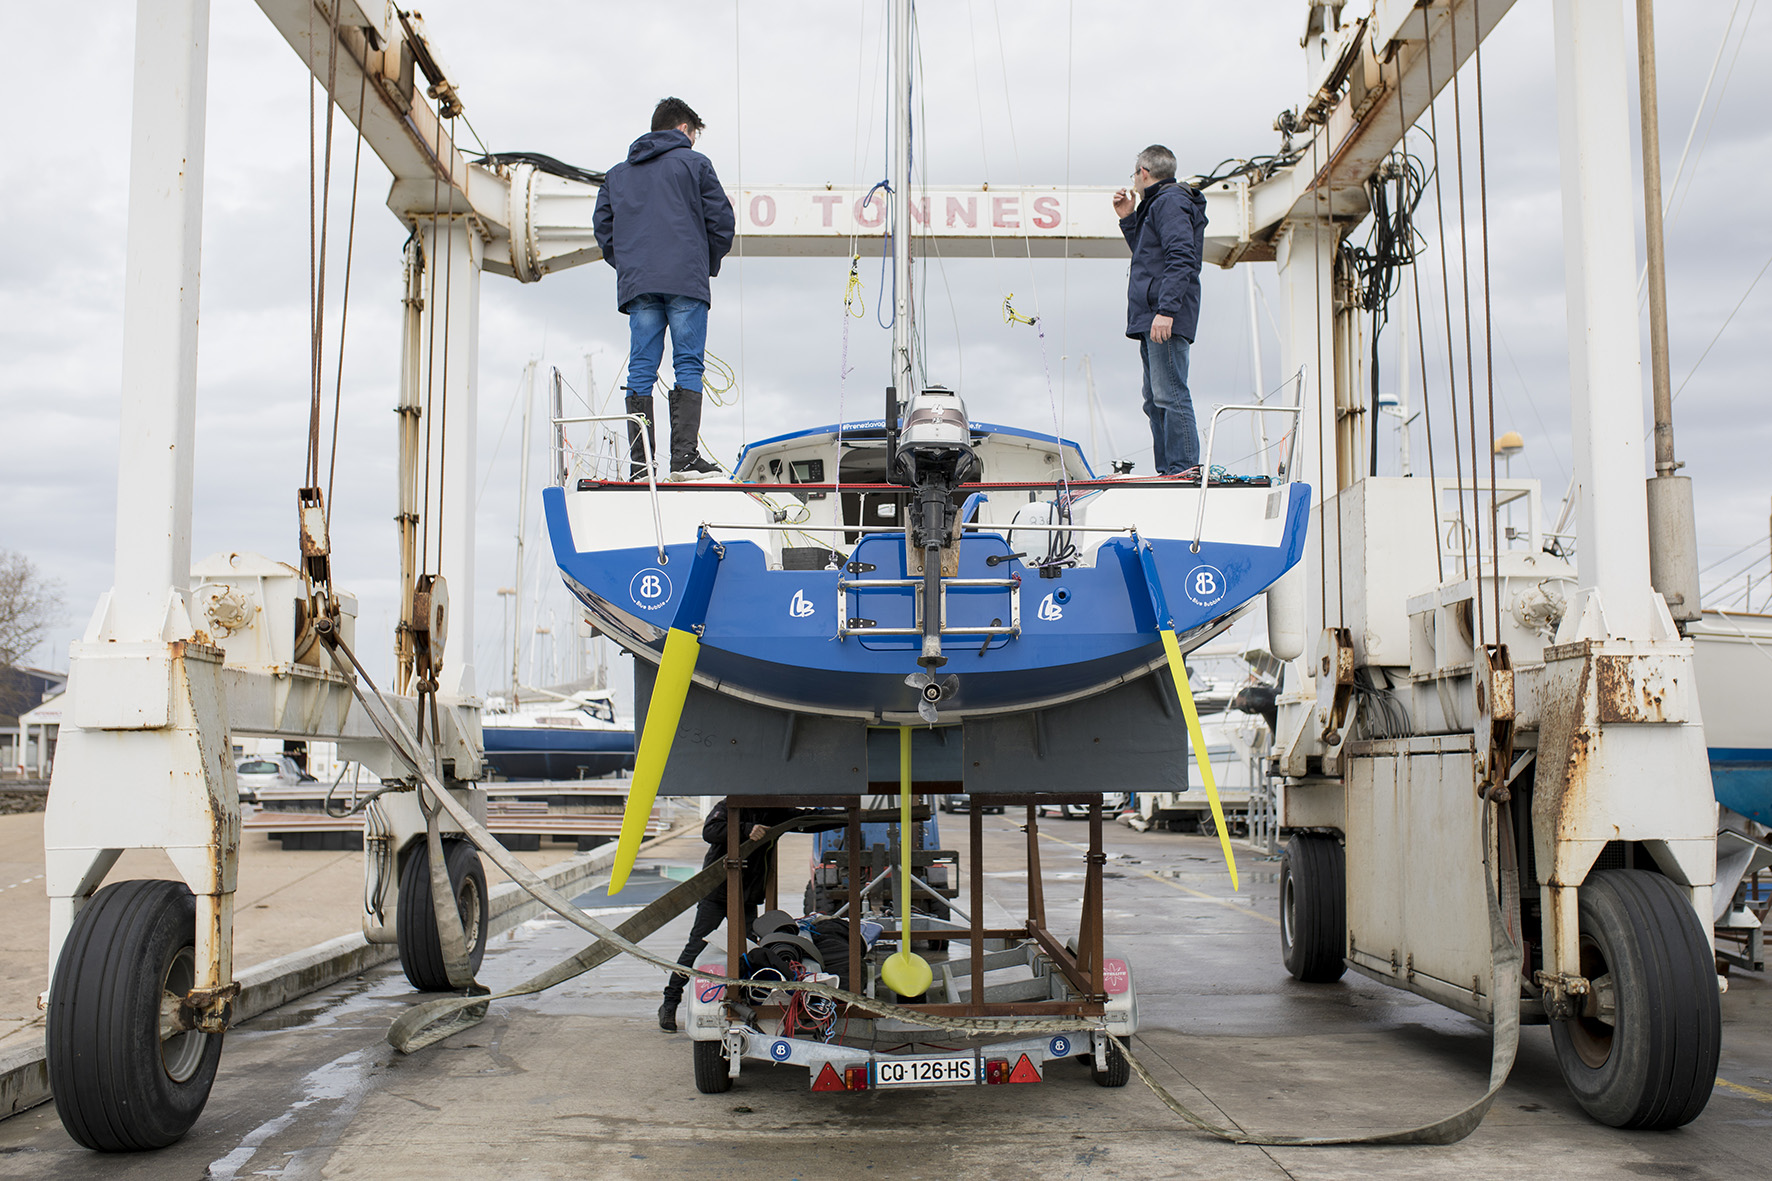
(1167, 233)
(664, 224)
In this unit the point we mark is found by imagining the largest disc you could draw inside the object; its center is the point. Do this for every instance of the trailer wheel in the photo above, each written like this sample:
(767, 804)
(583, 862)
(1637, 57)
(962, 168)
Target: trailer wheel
(123, 1081)
(1313, 908)
(1118, 1071)
(415, 920)
(1654, 1063)
(711, 1075)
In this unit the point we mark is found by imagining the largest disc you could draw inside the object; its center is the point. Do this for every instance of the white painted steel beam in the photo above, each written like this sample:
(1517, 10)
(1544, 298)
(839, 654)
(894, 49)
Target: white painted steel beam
(1605, 343)
(158, 414)
(1392, 69)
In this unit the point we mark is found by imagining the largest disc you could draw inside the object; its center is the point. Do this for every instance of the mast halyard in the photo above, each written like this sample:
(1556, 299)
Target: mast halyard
(899, 201)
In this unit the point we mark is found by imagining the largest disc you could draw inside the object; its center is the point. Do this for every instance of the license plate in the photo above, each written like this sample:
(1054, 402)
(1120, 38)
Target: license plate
(946, 1071)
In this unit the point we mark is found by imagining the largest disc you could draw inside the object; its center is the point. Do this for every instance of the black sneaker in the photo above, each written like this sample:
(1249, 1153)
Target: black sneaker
(667, 1016)
(694, 465)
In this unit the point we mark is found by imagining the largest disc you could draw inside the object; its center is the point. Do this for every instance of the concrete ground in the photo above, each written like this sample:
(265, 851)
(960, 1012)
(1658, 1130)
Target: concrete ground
(581, 1083)
(285, 901)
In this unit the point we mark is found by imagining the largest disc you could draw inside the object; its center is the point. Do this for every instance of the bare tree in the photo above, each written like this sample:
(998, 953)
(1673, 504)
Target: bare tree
(30, 605)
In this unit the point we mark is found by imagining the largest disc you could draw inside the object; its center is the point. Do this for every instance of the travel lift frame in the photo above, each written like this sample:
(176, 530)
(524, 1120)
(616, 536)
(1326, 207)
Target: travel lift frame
(1583, 709)
(163, 677)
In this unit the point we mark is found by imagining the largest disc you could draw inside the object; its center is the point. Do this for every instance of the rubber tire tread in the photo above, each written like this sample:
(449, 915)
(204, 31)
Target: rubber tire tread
(415, 922)
(1118, 1072)
(711, 1072)
(1317, 868)
(1665, 976)
(110, 1086)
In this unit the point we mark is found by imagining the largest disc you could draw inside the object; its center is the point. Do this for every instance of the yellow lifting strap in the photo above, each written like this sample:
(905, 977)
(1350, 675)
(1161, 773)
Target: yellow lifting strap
(1178, 669)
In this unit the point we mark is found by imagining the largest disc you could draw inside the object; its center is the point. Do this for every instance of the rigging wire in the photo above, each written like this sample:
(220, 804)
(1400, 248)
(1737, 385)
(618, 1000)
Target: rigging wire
(738, 144)
(1723, 327)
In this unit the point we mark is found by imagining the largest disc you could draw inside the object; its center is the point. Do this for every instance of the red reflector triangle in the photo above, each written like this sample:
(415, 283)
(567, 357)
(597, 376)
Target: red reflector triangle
(828, 1079)
(1024, 1072)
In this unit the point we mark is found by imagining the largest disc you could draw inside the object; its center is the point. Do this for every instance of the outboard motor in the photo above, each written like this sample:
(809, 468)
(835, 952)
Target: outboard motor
(933, 454)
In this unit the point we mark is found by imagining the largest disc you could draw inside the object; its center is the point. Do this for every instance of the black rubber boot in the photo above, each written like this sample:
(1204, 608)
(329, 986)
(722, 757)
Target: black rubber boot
(686, 458)
(667, 1016)
(641, 404)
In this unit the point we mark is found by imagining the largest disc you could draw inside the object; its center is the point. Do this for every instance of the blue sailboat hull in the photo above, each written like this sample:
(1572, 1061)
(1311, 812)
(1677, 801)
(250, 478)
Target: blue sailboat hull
(540, 752)
(772, 635)
(1742, 780)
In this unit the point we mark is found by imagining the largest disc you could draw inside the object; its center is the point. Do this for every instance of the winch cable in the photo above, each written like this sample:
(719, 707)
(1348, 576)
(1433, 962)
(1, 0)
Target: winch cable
(1464, 537)
(1504, 979)
(1427, 413)
(1475, 572)
(1488, 324)
(319, 207)
(344, 307)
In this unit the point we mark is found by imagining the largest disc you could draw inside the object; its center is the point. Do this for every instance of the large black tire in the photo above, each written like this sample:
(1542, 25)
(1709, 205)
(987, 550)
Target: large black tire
(1313, 908)
(1655, 1064)
(1118, 1071)
(711, 1077)
(118, 1086)
(415, 921)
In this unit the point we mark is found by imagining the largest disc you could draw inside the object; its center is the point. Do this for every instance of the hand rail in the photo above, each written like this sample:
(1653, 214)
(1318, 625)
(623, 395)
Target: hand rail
(1206, 460)
(651, 468)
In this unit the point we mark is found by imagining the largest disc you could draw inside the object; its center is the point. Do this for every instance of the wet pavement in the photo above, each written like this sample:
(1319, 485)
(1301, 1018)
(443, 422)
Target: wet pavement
(581, 1083)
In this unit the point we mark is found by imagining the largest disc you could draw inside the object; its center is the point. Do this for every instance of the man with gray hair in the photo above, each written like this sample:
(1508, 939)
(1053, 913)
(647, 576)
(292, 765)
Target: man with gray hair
(1167, 233)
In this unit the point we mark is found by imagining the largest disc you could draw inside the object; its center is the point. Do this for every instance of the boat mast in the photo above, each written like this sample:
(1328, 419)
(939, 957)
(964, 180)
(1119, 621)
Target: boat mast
(899, 221)
(522, 522)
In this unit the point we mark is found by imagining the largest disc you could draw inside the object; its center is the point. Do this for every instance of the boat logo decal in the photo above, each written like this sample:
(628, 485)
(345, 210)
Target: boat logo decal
(1205, 585)
(1049, 609)
(801, 606)
(1061, 1046)
(650, 589)
(780, 1050)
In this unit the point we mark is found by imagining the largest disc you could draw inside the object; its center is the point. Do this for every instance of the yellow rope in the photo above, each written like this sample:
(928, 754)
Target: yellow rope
(1011, 316)
(853, 302)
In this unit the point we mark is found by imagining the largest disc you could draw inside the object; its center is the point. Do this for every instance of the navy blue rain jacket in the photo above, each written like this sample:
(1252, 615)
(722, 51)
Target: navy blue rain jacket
(663, 220)
(1167, 233)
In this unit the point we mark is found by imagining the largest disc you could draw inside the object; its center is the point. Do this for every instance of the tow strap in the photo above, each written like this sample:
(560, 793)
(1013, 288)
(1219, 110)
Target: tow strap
(431, 1021)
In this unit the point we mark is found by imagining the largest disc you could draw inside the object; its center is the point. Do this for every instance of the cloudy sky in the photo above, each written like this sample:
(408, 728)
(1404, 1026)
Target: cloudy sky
(1038, 92)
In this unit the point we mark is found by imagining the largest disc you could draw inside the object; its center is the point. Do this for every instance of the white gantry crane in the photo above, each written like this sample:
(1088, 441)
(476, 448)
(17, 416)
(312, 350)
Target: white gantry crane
(1496, 686)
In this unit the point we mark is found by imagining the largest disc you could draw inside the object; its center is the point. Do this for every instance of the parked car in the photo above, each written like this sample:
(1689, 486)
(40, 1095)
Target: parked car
(260, 776)
(963, 803)
(1112, 803)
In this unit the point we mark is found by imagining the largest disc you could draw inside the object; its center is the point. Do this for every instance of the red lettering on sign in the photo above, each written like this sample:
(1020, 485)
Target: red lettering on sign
(1005, 214)
(870, 214)
(920, 212)
(1046, 215)
(763, 210)
(966, 211)
(829, 202)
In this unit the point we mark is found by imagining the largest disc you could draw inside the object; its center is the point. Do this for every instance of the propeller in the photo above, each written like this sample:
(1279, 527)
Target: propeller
(676, 670)
(930, 691)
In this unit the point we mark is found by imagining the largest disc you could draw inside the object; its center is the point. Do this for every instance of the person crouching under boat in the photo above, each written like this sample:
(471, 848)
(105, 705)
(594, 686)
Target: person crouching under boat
(664, 223)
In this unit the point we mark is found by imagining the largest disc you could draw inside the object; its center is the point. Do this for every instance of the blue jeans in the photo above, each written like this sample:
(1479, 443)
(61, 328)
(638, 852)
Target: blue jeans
(1175, 441)
(648, 316)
